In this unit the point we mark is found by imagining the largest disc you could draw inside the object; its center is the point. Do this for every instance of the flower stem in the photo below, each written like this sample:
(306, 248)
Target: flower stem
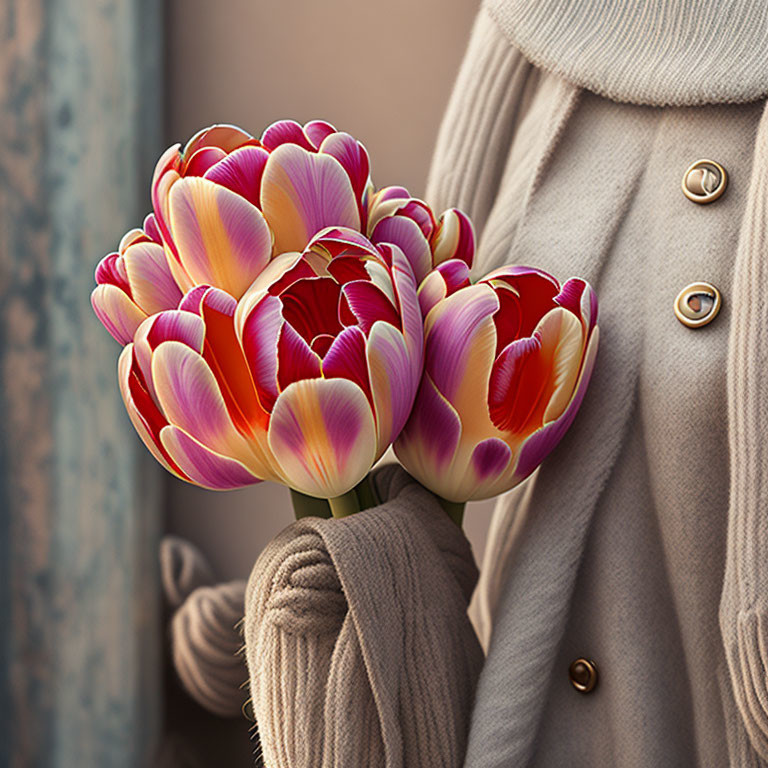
(366, 493)
(455, 509)
(345, 505)
(309, 506)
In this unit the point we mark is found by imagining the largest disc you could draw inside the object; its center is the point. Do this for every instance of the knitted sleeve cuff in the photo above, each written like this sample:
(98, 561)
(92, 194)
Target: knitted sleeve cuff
(746, 636)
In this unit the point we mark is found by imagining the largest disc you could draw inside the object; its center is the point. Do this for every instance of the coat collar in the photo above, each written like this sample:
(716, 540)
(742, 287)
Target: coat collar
(654, 52)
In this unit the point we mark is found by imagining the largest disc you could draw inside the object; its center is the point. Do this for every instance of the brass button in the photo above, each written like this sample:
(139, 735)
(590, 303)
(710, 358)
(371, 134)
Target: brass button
(704, 181)
(583, 674)
(698, 304)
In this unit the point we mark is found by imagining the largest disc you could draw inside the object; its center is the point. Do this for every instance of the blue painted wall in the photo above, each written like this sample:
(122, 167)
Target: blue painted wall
(80, 124)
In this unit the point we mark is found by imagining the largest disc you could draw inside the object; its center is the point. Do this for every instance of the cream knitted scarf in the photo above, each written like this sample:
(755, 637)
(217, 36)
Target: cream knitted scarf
(359, 649)
(660, 52)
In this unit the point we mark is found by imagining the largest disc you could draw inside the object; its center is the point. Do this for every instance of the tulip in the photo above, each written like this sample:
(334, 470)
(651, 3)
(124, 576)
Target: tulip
(507, 363)
(442, 281)
(228, 202)
(134, 282)
(305, 381)
(396, 217)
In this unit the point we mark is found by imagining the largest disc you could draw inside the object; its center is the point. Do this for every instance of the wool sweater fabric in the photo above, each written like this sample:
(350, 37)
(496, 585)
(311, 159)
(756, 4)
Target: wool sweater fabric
(359, 648)
(206, 641)
(642, 541)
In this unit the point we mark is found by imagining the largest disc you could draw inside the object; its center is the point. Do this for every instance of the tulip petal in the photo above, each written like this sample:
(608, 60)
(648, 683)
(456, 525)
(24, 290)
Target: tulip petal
(518, 381)
(171, 325)
(480, 471)
(241, 172)
(118, 314)
(191, 399)
(538, 287)
(317, 131)
(428, 443)
(369, 304)
(152, 284)
(296, 360)
(323, 436)
(567, 360)
(203, 466)
(285, 132)
(303, 193)
(144, 414)
(444, 280)
(406, 234)
(541, 443)
(224, 354)
(222, 239)
(259, 331)
(202, 160)
(490, 458)
(533, 378)
(454, 238)
(192, 299)
(392, 380)
(346, 359)
(579, 297)
(222, 135)
(408, 306)
(310, 305)
(111, 270)
(151, 229)
(460, 341)
(353, 158)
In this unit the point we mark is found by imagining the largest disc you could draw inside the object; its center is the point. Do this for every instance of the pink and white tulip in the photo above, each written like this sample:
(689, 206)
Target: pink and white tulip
(306, 380)
(507, 364)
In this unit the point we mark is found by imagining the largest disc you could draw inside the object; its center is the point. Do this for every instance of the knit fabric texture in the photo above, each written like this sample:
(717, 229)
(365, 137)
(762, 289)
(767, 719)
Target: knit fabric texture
(744, 603)
(205, 644)
(642, 541)
(205, 640)
(658, 52)
(358, 644)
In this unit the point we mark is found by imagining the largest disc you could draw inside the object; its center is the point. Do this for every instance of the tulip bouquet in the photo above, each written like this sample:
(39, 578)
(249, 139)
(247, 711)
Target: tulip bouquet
(283, 320)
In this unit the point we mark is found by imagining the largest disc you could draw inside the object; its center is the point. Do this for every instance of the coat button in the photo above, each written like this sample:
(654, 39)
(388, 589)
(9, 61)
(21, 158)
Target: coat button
(583, 675)
(698, 304)
(704, 181)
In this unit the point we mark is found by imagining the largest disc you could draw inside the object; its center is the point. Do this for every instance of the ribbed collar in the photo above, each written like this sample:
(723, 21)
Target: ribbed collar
(659, 52)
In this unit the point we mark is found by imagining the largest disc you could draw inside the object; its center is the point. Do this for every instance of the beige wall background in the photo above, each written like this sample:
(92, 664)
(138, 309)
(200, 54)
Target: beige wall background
(380, 71)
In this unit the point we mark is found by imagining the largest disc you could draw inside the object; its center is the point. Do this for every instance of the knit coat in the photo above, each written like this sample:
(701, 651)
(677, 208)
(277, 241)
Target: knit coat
(642, 541)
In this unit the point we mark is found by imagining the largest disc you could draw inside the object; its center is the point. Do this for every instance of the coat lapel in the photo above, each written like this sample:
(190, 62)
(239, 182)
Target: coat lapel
(539, 577)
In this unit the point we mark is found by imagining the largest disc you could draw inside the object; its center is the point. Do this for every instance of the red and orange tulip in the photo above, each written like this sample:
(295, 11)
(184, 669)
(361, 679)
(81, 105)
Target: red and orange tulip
(306, 380)
(507, 363)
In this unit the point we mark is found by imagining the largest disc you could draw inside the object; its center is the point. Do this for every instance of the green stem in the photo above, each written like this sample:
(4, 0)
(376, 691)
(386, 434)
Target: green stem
(309, 506)
(366, 493)
(455, 509)
(345, 505)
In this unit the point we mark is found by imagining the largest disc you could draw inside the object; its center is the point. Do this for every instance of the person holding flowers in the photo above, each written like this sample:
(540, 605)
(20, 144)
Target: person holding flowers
(283, 320)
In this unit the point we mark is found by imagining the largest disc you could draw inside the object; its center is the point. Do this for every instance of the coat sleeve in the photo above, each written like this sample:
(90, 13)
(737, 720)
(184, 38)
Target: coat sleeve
(744, 603)
(478, 124)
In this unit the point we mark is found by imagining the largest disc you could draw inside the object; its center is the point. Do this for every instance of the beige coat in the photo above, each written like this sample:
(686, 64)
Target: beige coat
(642, 543)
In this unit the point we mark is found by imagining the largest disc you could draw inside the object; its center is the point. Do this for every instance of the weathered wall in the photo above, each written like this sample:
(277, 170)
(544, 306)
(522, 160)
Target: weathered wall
(79, 515)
